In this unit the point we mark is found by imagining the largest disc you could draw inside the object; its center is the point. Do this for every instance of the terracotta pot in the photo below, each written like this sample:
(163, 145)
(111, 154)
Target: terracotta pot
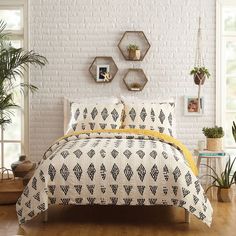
(22, 167)
(214, 144)
(199, 77)
(134, 54)
(224, 194)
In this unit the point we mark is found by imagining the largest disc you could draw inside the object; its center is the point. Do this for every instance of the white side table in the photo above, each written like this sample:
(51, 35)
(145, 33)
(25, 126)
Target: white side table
(210, 156)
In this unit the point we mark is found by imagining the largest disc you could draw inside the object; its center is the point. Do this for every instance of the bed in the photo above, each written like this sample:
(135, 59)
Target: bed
(115, 167)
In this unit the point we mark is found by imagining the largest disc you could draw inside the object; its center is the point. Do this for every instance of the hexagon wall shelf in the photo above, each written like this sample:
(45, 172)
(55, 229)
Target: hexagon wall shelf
(102, 65)
(135, 79)
(135, 38)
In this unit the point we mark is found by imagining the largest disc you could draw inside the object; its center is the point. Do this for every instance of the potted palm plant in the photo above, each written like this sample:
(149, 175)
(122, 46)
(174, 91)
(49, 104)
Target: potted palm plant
(214, 138)
(223, 182)
(134, 52)
(13, 64)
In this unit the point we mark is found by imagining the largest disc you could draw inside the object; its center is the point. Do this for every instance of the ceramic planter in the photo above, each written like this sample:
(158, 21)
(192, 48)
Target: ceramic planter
(22, 167)
(214, 144)
(134, 54)
(199, 77)
(224, 194)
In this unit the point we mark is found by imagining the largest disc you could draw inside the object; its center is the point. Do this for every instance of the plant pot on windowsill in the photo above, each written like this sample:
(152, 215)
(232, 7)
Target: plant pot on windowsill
(225, 194)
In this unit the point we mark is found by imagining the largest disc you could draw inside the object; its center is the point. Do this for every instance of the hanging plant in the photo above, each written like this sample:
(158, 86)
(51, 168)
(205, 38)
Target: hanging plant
(200, 74)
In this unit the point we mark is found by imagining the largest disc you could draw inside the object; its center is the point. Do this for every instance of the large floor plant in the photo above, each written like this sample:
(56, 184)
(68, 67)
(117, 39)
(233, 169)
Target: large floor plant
(13, 64)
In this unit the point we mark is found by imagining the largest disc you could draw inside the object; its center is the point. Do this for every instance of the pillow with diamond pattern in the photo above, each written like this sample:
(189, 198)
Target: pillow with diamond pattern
(152, 116)
(93, 116)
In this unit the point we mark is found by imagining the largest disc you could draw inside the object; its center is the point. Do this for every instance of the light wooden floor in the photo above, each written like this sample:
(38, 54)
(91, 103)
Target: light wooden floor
(114, 221)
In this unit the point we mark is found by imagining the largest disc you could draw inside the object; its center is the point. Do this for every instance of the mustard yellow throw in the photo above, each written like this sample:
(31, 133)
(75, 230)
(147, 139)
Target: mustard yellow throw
(169, 139)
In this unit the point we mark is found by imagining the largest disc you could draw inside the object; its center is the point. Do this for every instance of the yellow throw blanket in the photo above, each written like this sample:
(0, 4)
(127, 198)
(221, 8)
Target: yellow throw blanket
(169, 139)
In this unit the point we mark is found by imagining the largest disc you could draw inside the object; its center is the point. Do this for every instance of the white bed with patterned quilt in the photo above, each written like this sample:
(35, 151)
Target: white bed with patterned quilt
(115, 167)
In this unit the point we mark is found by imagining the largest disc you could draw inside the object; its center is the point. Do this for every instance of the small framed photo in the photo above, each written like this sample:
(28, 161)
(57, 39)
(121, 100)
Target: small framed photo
(191, 106)
(103, 73)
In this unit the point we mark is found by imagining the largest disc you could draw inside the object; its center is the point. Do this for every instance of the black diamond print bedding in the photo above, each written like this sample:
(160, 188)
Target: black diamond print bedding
(95, 116)
(153, 116)
(113, 167)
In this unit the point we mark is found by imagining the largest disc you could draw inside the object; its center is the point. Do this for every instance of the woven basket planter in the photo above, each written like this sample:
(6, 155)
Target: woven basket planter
(214, 144)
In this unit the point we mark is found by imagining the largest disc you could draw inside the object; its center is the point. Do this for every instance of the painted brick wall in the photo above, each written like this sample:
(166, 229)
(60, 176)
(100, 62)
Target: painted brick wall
(71, 33)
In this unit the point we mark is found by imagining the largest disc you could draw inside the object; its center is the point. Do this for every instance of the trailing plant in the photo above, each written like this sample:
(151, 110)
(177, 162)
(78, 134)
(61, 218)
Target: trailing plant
(234, 130)
(214, 132)
(200, 70)
(226, 179)
(13, 64)
(133, 47)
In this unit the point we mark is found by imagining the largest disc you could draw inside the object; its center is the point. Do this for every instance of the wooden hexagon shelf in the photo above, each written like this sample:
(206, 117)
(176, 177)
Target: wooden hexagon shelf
(135, 38)
(135, 79)
(103, 69)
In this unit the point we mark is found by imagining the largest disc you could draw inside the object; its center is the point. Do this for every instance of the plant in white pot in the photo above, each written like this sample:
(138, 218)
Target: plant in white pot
(214, 138)
(224, 182)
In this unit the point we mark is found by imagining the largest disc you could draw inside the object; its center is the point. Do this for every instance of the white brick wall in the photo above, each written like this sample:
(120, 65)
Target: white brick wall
(71, 33)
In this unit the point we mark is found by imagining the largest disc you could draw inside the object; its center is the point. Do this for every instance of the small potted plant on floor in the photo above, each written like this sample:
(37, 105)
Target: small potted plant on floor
(223, 182)
(214, 138)
(200, 74)
(134, 52)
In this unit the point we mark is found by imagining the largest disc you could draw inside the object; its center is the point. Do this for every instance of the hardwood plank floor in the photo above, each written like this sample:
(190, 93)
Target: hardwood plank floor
(117, 221)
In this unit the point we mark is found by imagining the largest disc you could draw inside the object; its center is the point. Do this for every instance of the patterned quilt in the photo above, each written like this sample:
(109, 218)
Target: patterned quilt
(113, 168)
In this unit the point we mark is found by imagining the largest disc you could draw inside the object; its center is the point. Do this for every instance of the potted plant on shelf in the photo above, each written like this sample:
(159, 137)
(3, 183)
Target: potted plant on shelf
(223, 182)
(214, 138)
(200, 74)
(134, 52)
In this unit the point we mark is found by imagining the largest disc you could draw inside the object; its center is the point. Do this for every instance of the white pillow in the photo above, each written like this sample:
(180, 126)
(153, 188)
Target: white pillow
(69, 101)
(158, 116)
(91, 116)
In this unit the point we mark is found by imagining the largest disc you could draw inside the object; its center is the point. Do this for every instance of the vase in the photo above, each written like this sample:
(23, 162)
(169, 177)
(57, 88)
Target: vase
(224, 194)
(134, 54)
(21, 167)
(214, 144)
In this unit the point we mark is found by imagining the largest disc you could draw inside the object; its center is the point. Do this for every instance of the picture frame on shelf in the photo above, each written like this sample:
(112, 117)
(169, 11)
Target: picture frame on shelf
(103, 73)
(191, 106)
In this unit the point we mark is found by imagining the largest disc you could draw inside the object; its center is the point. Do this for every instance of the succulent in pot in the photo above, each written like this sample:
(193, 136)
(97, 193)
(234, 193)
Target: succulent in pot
(214, 138)
(134, 52)
(223, 182)
(200, 74)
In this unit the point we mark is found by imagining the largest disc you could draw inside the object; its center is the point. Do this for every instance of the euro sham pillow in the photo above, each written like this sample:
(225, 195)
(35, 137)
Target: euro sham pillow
(152, 116)
(95, 116)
